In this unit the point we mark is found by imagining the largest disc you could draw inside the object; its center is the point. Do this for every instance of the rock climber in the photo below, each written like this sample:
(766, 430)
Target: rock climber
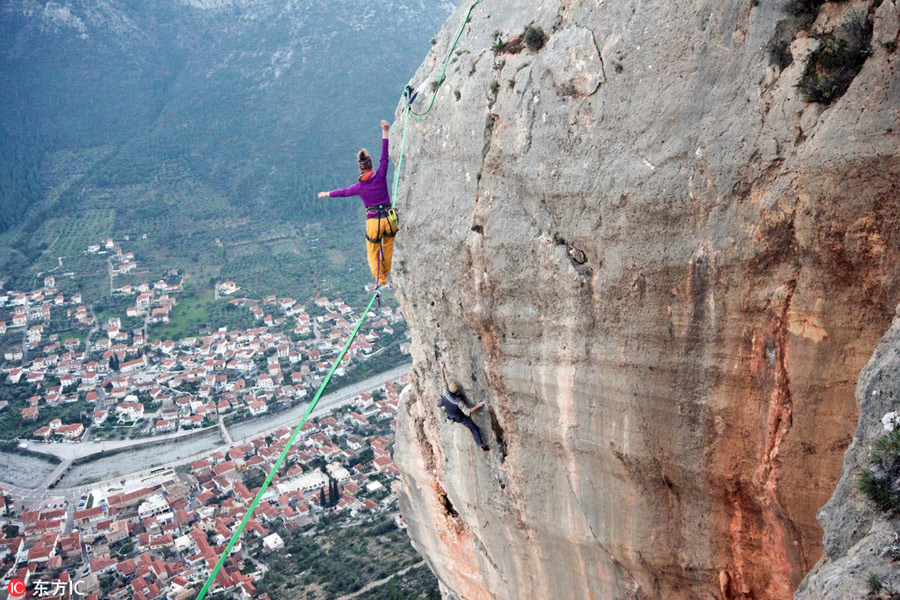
(381, 219)
(454, 403)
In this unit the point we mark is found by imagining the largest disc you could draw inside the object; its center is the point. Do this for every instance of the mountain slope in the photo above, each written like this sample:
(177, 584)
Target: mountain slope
(231, 109)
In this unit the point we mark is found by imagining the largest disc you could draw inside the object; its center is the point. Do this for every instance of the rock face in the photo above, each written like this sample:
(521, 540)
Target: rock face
(858, 539)
(662, 270)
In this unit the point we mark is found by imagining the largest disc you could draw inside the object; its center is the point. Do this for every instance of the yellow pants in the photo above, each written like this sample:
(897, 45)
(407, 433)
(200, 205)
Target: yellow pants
(380, 229)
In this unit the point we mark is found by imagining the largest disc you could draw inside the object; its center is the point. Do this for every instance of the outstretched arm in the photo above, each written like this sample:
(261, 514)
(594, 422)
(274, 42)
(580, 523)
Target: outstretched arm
(383, 163)
(443, 377)
(353, 190)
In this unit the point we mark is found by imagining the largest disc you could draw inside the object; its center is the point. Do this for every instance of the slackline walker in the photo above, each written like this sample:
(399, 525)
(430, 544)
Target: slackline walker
(408, 97)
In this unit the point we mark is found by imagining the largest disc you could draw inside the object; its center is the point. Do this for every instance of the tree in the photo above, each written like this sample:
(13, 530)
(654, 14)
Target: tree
(333, 492)
(114, 362)
(322, 497)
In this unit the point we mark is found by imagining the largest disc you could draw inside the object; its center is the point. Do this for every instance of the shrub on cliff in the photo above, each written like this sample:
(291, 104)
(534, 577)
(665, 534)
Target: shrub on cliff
(831, 68)
(803, 7)
(535, 38)
(881, 481)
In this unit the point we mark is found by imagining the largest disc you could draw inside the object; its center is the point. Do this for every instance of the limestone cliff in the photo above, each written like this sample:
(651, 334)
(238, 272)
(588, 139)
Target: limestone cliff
(662, 269)
(858, 539)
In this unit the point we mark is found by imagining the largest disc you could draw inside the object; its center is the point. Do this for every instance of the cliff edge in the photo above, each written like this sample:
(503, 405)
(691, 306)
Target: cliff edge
(862, 543)
(662, 265)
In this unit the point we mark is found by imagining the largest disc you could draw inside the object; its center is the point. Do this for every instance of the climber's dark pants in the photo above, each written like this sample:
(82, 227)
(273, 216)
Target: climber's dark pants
(470, 424)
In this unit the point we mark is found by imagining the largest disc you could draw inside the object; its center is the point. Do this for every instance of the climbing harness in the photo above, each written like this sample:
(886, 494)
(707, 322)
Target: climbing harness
(409, 96)
(387, 212)
(382, 212)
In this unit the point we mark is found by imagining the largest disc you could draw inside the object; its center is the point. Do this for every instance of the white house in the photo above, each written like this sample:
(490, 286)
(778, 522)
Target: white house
(228, 287)
(305, 482)
(130, 411)
(258, 407)
(133, 365)
(152, 506)
(273, 542)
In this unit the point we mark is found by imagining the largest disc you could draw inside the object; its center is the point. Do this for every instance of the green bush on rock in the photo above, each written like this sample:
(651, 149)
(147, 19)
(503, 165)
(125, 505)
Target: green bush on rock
(881, 481)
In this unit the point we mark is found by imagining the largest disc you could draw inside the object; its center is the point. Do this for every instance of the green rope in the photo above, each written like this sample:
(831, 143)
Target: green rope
(400, 160)
(315, 400)
(284, 452)
(421, 116)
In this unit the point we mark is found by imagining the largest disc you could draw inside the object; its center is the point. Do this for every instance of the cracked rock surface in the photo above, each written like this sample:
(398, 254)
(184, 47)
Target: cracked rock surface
(662, 270)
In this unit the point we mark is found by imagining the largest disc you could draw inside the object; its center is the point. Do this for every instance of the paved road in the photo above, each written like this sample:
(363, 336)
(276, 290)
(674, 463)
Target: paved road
(226, 436)
(26, 499)
(256, 428)
(327, 403)
(73, 450)
(109, 271)
(56, 473)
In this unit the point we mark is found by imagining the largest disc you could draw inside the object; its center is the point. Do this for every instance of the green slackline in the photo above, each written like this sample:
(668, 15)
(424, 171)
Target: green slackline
(315, 400)
(422, 116)
(284, 453)
(400, 159)
(440, 81)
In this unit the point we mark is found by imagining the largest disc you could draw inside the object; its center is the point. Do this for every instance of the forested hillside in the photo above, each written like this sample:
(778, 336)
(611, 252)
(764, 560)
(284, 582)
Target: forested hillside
(207, 125)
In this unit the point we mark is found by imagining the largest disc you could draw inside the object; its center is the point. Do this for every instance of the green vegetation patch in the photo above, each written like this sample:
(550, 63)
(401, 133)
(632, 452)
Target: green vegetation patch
(339, 560)
(803, 8)
(415, 584)
(73, 233)
(191, 313)
(535, 38)
(831, 68)
(12, 426)
(881, 481)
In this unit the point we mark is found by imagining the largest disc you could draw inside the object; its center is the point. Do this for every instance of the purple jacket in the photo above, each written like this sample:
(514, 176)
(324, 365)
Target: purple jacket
(375, 190)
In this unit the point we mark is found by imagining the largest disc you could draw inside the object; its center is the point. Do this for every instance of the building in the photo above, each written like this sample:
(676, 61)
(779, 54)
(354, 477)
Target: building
(152, 506)
(133, 365)
(258, 407)
(228, 287)
(273, 543)
(305, 482)
(130, 411)
(164, 425)
(338, 472)
(70, 432)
